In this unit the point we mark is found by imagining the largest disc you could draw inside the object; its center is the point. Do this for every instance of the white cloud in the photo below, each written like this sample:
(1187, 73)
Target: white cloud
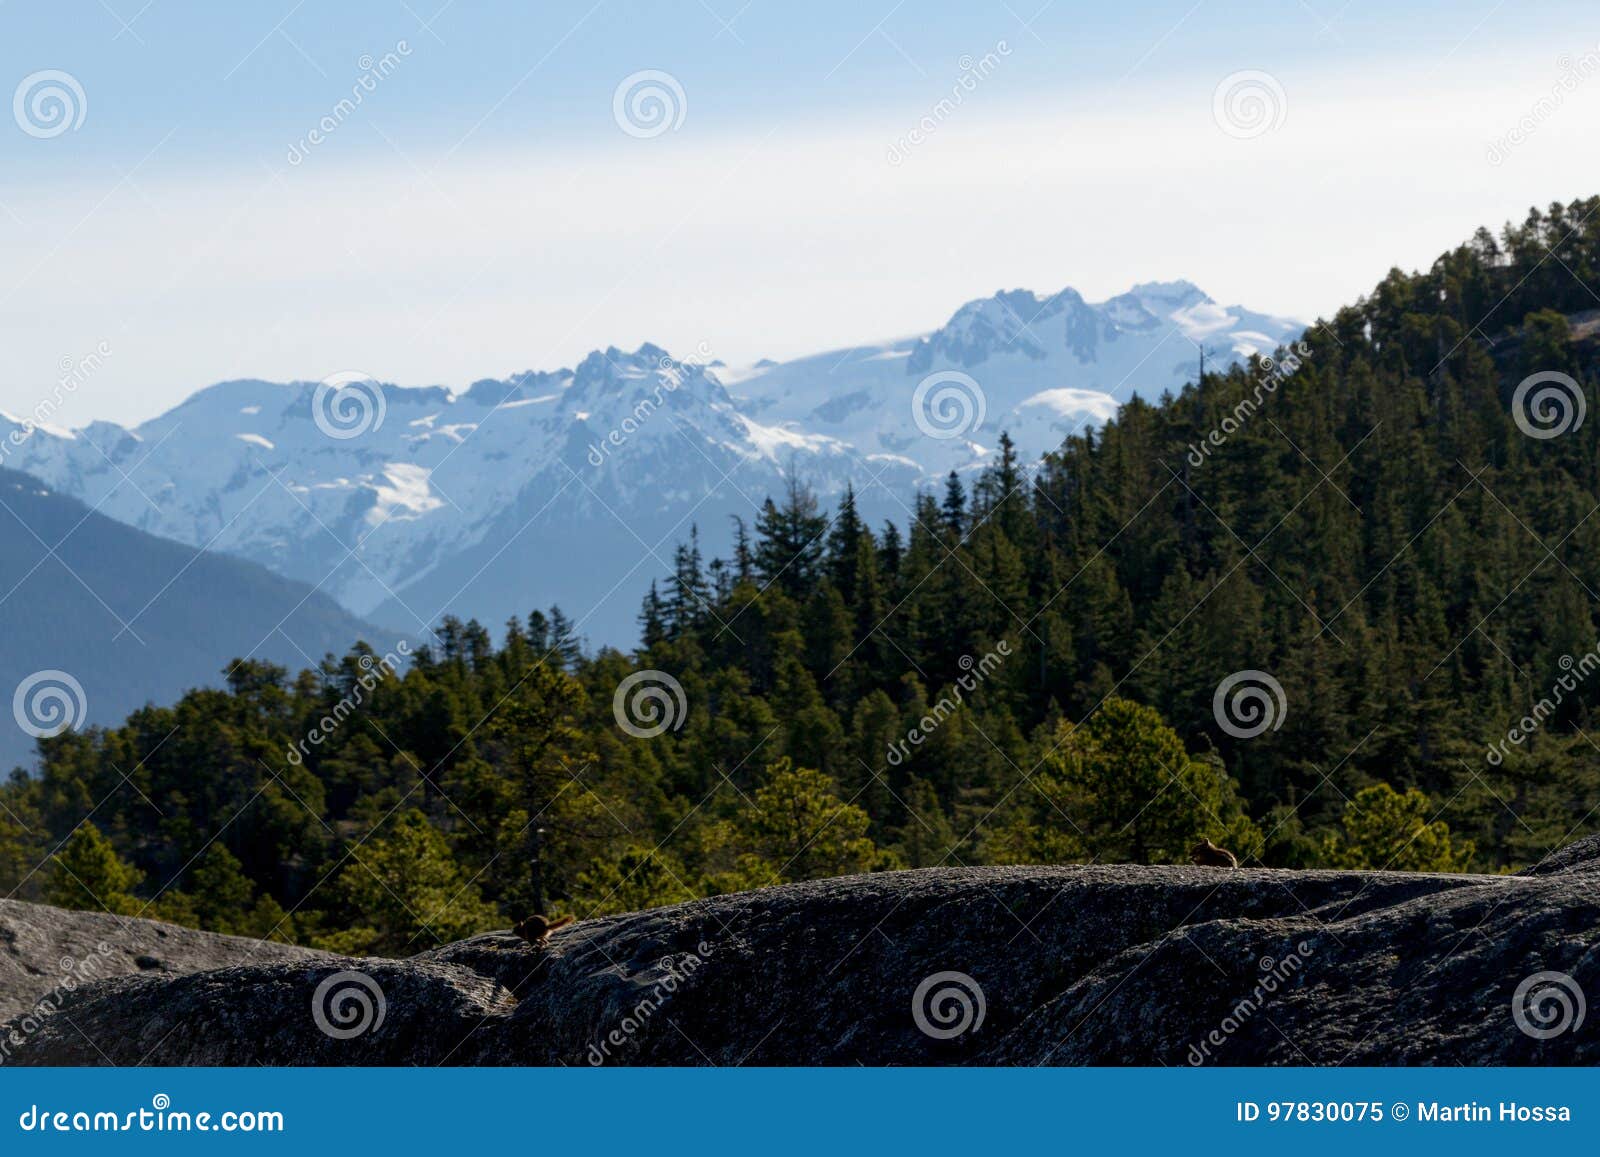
(760, 246)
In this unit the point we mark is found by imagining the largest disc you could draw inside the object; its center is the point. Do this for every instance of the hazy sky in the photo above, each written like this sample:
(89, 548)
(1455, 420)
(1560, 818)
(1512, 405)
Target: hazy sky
(487, 206)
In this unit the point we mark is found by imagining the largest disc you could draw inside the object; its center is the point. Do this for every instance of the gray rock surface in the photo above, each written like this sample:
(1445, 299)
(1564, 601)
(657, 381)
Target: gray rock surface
(47, 953)
(1069, 965)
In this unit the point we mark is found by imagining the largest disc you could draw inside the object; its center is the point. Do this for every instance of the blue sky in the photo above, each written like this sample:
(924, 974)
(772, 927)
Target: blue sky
(234, 78)
(482, 211)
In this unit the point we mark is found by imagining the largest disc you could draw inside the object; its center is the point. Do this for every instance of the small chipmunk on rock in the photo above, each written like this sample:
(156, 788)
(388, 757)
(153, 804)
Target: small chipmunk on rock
(1208, 855)
(536, 929)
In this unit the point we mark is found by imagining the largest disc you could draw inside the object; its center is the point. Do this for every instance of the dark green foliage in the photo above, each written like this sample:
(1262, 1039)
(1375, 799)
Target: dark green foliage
(403, 891)
(1024, 670)
(86, 872)
(1385, 830)
(1121, 788)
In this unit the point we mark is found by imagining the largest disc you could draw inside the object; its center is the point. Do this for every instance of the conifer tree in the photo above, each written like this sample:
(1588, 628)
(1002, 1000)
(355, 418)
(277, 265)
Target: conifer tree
(87, 873)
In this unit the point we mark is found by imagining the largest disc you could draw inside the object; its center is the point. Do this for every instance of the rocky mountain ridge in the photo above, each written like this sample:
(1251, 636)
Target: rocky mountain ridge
(408, 503)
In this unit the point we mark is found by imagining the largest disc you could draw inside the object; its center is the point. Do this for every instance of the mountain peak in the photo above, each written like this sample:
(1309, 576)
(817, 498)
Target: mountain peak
(465, 500)
(1174, 291)
(1011, 320)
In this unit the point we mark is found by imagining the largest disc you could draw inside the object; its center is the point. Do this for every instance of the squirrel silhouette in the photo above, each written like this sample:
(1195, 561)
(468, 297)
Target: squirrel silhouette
(1208, 855)
(536, 929)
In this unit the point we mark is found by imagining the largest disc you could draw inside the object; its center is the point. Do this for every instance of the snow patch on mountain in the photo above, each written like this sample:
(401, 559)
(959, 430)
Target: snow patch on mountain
(1042, 367)
(1067, 402)
(476, 501)
(402, 492)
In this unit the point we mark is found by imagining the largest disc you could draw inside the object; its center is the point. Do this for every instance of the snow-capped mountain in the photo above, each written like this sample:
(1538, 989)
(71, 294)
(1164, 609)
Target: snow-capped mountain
(1040, 368)
(573, 486)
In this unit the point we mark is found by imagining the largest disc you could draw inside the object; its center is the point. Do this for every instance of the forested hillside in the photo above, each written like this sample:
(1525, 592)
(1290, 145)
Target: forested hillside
(1385, 536)
(134, 617)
